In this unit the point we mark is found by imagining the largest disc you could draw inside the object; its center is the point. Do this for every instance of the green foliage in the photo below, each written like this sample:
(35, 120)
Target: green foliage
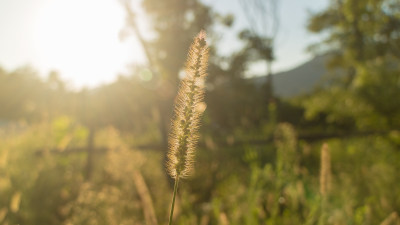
(232, 185)
(364, 41)
(41, 175)
(368, 103)
(359, 30)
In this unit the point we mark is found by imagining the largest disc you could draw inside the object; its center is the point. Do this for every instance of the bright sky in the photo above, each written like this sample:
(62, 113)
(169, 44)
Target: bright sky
(80, 38)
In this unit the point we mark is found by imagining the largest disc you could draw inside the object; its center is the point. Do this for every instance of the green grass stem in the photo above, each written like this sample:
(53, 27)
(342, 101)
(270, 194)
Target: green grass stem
(173, 200)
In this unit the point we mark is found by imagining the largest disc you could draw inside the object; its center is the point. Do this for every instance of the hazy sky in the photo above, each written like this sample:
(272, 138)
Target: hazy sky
(81, 38)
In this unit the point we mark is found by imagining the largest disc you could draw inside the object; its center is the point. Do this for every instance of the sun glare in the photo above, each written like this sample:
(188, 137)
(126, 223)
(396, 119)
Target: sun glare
(80, 39)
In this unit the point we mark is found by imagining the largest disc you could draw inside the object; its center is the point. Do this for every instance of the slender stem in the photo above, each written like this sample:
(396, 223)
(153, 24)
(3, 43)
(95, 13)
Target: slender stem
(173, 200)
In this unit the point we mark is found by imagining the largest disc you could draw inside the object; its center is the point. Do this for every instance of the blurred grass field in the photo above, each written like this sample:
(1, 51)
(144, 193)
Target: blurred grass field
(43, 182)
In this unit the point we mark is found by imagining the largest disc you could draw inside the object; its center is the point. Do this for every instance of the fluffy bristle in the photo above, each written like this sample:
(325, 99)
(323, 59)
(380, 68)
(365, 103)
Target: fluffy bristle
(183, 136)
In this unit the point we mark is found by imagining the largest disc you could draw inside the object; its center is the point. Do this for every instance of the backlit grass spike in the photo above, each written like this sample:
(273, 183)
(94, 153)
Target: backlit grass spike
(188, 108)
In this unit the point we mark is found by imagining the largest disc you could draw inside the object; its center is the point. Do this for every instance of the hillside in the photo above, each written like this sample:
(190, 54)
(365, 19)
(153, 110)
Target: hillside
(301, 79)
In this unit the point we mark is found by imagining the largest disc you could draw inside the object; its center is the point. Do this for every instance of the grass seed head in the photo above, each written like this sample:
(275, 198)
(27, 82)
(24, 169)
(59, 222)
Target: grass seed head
(188, 109)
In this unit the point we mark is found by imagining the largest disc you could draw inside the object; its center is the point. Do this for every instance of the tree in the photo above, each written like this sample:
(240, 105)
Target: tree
(174, 23)
(359, 31)
(263, 19)
(364, 39)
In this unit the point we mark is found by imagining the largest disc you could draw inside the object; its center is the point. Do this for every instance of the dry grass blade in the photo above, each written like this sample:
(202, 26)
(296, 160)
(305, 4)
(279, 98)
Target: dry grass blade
(144, 194)
(325, 176)
(392, 219)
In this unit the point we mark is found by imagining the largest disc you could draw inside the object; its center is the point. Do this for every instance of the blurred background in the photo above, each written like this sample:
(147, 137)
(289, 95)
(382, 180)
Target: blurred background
(302, 119)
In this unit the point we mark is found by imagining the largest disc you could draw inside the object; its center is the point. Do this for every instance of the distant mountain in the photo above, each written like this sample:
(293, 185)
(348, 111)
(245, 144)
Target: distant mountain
(299, 80)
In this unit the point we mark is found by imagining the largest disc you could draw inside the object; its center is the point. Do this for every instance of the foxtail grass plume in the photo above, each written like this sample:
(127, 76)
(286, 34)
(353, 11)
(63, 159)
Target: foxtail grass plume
(189, 106)
(325, 175)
